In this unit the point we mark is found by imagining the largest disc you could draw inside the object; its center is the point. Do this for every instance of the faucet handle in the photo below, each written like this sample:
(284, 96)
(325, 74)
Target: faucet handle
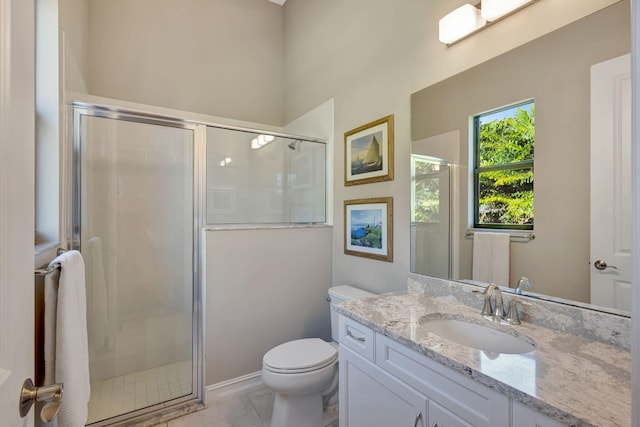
(487, 308)
(498, 311)
(513, 318)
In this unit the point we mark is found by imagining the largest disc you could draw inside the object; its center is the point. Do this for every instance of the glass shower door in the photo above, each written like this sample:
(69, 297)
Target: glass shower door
(135, 222)
(430, 213)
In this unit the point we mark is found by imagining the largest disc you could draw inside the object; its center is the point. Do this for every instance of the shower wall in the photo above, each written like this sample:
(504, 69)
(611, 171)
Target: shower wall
(264, 287)
(282, 181)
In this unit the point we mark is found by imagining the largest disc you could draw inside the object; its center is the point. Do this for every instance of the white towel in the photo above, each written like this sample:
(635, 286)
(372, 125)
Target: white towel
(66, 314)
(98, 318)
(491, 258)
(50, 308)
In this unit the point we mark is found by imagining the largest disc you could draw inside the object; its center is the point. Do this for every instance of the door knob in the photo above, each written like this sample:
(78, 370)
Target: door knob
(52, 394)
(602, 265)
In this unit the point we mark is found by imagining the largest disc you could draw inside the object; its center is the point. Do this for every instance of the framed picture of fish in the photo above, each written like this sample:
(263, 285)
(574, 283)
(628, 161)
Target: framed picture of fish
(368, 225)
(368, 153)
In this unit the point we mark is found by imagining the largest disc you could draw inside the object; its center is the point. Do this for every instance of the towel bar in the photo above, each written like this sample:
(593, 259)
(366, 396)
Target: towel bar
(50, 269)
(526, 236)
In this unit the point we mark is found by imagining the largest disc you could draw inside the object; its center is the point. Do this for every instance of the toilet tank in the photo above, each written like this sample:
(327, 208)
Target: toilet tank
(339, 294)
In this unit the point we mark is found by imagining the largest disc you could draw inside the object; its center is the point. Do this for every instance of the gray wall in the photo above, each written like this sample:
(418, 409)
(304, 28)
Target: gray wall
(263, 287)
(216, 57)
(370, 56)
(555, 71)
(74, 22)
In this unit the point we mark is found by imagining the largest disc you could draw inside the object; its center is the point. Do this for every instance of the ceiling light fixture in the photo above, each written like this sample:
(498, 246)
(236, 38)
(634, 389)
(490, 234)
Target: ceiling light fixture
(493, 10)
(468, 19)
(261, 140)
(460, 23)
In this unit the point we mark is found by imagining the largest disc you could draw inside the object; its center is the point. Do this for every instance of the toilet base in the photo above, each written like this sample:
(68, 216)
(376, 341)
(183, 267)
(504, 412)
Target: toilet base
(297, 411)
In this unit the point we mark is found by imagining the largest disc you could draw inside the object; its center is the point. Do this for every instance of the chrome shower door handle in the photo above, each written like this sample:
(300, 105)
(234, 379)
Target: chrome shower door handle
(602, 265)
(51, 394)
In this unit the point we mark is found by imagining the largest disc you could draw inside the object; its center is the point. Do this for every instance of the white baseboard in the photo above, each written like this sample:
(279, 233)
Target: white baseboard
(233, 387)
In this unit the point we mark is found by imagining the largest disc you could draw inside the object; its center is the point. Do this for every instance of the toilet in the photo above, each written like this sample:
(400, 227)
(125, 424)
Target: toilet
(304, 373)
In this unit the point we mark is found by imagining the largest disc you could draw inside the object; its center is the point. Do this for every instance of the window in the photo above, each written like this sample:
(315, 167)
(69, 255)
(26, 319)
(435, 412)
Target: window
(503, 170)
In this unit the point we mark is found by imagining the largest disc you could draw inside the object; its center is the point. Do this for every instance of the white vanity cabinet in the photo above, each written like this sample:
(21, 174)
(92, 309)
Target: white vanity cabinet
(383, 383)
(373, 398)
(524, 416)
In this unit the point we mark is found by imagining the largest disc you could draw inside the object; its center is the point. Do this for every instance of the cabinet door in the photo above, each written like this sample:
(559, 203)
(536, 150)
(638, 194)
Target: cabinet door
(477, 404)
(369, 397)
(524, 416)
(440, 417)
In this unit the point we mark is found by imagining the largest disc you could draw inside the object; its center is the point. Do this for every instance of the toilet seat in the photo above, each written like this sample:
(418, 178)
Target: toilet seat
(300, 356)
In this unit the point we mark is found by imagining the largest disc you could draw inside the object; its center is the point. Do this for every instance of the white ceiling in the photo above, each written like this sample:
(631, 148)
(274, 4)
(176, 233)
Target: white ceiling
(280, 2)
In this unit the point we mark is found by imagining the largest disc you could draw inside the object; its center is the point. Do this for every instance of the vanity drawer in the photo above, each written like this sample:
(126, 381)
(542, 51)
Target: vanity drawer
(357, 337)
(474, 403)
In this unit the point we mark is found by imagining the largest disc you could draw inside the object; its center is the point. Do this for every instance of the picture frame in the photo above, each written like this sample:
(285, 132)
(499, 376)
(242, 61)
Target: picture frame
(368, 228)
(368, 153)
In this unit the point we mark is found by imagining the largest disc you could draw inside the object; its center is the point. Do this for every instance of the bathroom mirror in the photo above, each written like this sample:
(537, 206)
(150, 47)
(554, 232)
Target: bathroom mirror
(555, 71)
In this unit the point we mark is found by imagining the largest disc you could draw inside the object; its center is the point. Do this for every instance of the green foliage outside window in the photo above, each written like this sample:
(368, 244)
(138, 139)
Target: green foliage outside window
(504, 168)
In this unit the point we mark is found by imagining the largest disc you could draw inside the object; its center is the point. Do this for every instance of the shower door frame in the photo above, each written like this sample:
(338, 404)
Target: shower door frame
(168, 409)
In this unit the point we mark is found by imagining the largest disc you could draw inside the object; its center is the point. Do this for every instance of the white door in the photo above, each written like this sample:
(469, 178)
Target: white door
(611, 183)
(16, 204)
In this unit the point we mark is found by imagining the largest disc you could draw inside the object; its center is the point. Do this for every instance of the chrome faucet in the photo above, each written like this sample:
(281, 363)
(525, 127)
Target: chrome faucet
(488, 309)
(498, 312)
(523, 283)
(512, 316)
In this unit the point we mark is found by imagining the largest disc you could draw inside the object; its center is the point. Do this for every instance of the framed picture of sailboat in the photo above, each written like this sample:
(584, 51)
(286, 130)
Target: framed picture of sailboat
(368, 153)
(368, 227)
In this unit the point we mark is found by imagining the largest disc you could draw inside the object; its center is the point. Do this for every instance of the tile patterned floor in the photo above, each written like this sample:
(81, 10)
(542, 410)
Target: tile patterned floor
(119, 395)
(251, 410)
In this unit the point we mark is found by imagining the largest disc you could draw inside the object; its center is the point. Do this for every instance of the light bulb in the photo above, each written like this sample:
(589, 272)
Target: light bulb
(463, 21)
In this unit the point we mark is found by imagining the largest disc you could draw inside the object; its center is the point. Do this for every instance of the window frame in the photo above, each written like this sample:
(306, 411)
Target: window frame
(477, 169)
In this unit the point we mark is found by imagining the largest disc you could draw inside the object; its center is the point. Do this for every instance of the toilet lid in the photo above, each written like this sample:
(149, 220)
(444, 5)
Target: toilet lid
(300, 356)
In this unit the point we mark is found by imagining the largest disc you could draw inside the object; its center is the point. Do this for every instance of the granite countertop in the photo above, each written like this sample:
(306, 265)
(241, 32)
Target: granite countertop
(569, 378)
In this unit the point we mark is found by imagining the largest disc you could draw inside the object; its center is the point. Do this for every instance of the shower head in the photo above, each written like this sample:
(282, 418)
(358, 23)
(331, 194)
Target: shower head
(294, 144)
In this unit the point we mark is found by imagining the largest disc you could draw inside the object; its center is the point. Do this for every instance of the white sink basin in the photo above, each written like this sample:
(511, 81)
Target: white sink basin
(482, 337)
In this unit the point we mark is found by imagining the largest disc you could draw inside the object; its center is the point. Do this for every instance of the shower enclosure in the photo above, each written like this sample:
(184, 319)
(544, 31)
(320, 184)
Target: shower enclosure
(430, 213)
(142, 188)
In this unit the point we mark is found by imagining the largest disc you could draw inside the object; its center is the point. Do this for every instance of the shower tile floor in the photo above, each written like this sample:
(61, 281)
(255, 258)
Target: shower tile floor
(251, 410)
(126, 393)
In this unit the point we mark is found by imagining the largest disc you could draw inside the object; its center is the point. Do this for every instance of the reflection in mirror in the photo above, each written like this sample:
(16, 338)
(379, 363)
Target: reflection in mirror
(572, 76)
(430, 224)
